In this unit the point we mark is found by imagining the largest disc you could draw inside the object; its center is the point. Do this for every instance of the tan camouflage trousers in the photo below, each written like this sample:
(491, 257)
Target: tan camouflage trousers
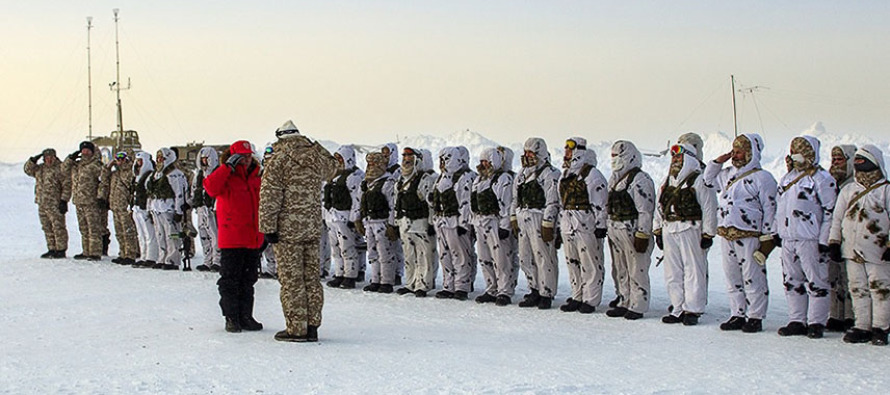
(302, 296)
(91, 225)
(125, 232)
(53, 224)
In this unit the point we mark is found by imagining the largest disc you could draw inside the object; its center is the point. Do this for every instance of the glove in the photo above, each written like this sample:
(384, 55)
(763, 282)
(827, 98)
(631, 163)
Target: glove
(834, 252)
(177, 217)
(360, 227)
(777, 241)
(103, 204)
(641, 244)
(185, 207)
(706, 242)
(392, 233)
(558, 242)
(233, 161)
(461, 231)
(547, 234)
(766, 247)
(35, 158)
(350, 225)
(271, 238)
(659, 242)
(503, 233)
(74, 155)
(514, 225)
(823, 248)
(886, 256)
(63, 206)
(430, 230)
(600, 233)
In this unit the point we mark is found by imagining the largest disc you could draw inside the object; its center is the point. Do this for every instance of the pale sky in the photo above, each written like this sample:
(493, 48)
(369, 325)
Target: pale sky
(367, 71)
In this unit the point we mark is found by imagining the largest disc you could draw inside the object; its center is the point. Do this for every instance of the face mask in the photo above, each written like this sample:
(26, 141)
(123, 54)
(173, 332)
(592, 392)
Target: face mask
(529, 161)
(865, 166)
(789, 163)
(676, 166)
(617, 163)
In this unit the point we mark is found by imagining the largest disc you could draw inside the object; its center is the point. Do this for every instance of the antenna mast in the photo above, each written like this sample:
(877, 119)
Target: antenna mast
(735, 123)
(116, 85)
(89, 80)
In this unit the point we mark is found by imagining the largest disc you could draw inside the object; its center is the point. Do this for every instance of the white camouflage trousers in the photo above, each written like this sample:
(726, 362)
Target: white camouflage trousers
(496, 258)
(169, 242)
(686, 271)
(145, 232)
(207, 231)
(344, 255)
(841, 304)
(421, 263)
(585, 262)
(869, 288)
(381, 254)
(269, 265)
(537, 258)
(630, 267)
(746, 283)
(805, 277)
(324, 251)
(456, 257)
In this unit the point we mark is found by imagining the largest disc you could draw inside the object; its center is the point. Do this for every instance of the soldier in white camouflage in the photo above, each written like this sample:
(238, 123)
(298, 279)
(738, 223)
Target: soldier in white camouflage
(85, 169)
(290, 212)
(115, 192)
(143, 168)
(204, 206)
(51, 193)
(167, 188)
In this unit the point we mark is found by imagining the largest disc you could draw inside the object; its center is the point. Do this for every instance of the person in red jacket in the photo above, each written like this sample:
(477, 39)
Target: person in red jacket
(236, 188)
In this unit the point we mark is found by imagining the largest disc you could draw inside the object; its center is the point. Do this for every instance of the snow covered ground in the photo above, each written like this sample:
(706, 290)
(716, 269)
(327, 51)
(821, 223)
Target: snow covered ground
(94, 327)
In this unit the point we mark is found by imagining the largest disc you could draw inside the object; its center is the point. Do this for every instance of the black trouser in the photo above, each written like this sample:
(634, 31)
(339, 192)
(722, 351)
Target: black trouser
(237, 275)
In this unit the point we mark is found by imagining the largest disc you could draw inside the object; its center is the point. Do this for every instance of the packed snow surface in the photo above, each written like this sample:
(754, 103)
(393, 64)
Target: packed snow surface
(95, 327)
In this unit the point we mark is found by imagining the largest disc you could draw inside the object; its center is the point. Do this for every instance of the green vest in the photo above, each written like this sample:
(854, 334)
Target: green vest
(200, 198)
(336, 193)
(374, 204)
(679, 203)
(159, 188)
(573, 190)
(445, 202)
(486, 202)
(409, 204)
(621, 205)
(140, 192)
(531, 194)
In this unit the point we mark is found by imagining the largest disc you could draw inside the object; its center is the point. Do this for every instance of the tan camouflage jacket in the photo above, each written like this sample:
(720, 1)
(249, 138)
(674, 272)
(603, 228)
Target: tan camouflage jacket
(289, 202)
(52, 185)
(117, 186)
(85, 175)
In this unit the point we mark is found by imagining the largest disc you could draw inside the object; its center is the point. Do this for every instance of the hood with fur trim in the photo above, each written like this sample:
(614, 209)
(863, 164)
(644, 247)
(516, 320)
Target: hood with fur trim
(148, 164)
(212, 159)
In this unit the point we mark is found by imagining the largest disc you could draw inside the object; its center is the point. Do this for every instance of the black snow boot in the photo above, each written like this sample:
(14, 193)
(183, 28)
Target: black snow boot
(461, 295)
(632, 315)
(734, 323)
(689, 319)
(531, 299)
(794, 328)
(372, 287)
(59, 254)
(170, 266)
(856, 335)
(233, 325)
(311, 333)
(49, 254)
(420, 293)
(404, 291)
(671, 319)
(398, 280)
(80, 257)
(616, 312)
(248, 323)
(753, 325)
(835, 325)
(116, 260)
(202, 268)
(486, 298)
(94, 258)
(879, 337)
(544, 303)
(214, 268)
(335, 282)
(385, 289)
(570, 305)
(815, 331)
(503, 300)
(127, 261)
(586, 309)
(443, 294)
(347, 283)
(614, 303)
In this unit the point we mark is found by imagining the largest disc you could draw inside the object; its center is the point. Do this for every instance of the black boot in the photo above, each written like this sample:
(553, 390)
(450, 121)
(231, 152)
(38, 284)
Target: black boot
(616, 312)
(404, 291)
(835, 325)
(878, 337)
(49, 254)
(461, 295)
(116, 260)
(127, 261)
(570, 305)
(815, 331)
(202, 268)
(486, 298)
(794, 328)
(347, 283)
(80, 257)
(372, 287)
(443, 294)
(614, 303)
(544, 303)
(689, 319)
(531, 299)
(632, 315)
(311, 333)
(734, 323)
(856, 335)
(59, 254)
(420, 293)
(671, 319)
(752, 325)
(233, 325)
(214, 268)
(586, 308)
(248, 323)
(385, 289)
(503, 300)
(335, 282)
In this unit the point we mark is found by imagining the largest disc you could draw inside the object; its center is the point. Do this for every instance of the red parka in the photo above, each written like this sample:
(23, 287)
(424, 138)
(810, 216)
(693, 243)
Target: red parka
(237, 197)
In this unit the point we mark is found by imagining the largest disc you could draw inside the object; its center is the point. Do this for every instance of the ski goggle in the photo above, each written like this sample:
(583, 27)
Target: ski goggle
(268, 151)
(120, 155)
(572, 144)
(680, 150)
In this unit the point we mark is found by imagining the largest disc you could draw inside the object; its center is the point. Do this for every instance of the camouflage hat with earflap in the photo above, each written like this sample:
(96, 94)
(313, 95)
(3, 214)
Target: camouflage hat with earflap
(49, 152)
(288, 129)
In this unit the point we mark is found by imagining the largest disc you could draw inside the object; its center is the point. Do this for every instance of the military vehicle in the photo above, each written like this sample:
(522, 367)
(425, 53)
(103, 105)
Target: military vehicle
(187, 154)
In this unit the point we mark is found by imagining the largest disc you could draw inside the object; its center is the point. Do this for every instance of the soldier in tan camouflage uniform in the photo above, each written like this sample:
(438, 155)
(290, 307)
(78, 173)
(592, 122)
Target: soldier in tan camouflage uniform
(116, 190)
(85, 168)
(290, 212)
(51, 193)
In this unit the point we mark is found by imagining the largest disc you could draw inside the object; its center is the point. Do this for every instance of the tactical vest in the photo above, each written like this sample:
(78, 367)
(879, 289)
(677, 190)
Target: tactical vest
(374, 204)
(140, 192)
(445, 202)
(621, 205)
(336, 193)
(531, 194)
(200, 198)
(409, 204)
(392, 169)
(486, 202)
(573, 190)
(160, 188)
(679, 203)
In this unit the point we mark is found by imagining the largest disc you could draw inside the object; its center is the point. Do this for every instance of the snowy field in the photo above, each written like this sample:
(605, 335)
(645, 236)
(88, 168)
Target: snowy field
(95, 327)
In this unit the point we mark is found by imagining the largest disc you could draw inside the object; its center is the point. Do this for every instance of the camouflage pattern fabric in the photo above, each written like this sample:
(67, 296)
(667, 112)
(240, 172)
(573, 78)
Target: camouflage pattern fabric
(117, 188)
(91, 226)
(85, 176)
(302, 296)
(52, 186)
